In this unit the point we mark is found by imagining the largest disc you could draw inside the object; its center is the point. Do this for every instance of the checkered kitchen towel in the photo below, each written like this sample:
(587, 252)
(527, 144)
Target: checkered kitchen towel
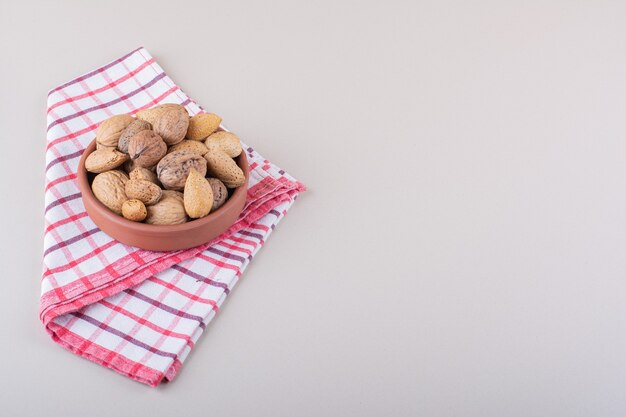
(135, 311)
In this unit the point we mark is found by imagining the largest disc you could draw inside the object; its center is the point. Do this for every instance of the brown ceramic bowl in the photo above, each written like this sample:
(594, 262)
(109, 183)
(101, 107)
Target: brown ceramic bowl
(162, 237)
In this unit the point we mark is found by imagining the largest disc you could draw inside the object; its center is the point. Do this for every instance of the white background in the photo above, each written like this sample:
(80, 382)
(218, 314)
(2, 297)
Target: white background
(460, 252)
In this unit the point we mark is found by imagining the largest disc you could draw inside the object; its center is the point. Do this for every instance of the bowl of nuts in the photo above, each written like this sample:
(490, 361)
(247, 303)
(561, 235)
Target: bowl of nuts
(163, 181)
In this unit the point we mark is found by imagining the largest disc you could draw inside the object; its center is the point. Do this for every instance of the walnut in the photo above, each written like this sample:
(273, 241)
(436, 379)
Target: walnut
(146, 148)
(110, 130)
(131, 130)
(172, 194)
(220, 193)
(134, 210)
(169, 210)
(172, 124)
(108, 187)
(174, 168)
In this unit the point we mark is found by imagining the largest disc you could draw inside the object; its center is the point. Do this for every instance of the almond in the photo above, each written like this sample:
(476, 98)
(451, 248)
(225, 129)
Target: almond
(190, 145)
(104, 159)
(202, 125)
(226, 141)
(225, 168)
(151, 115)
(141, 173)
(144, 191)
(198, 195)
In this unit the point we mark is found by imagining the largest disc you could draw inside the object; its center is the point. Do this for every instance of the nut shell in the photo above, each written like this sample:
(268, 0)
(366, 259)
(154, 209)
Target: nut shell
(100, 146)
(174, 167)
(198, 195)
(104, 159)
(110, 130)
(134, 210)
(202, 125)
(169, 210)
(108, 188)
(141, 173)
(130, 166)
(225, 168)
(220, 193)
(152, 114)
(131, 130)
(144, 191)
(172, 124)
(226, 141)
(146, 148)
(190, 145)
(172, 194)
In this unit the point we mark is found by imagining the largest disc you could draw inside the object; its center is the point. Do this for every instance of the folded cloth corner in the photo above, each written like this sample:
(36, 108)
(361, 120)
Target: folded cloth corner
(135, 311)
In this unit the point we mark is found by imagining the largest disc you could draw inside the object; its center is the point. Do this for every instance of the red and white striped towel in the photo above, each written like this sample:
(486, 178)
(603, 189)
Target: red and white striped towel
(135, 311)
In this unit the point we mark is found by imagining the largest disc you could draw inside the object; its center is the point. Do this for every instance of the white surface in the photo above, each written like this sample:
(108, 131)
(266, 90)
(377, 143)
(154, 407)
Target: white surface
(460, 251)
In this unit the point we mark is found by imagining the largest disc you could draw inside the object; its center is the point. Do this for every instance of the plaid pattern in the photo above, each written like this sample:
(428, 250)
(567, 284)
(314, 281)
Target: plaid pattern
(135, 311)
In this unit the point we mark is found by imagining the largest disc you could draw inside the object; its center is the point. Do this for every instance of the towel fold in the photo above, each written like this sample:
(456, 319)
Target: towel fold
(135, 311)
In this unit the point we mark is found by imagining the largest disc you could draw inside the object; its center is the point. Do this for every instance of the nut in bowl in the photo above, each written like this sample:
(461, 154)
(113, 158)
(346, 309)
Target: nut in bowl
(170, 182)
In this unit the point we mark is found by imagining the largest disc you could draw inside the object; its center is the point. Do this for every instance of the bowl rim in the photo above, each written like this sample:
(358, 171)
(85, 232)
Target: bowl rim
(144, 228)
